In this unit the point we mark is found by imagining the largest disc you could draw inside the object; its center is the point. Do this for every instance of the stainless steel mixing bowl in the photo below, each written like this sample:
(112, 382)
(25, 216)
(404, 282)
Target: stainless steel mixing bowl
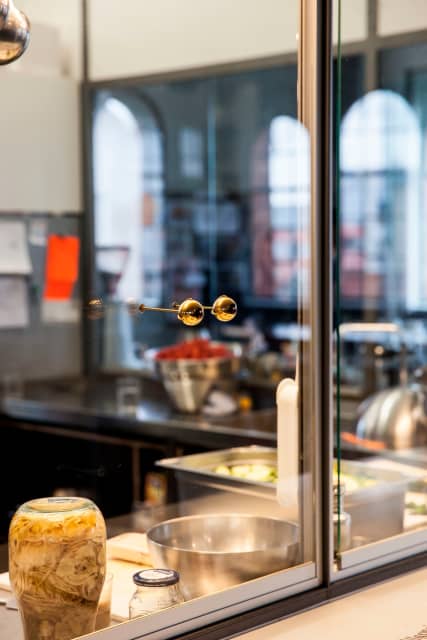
(188, 381)
(214, 552)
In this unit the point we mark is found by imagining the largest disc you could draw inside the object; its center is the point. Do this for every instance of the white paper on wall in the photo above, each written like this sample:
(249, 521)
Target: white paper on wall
(14, 256)
(14, 312)
(60, 311)
(37, 233)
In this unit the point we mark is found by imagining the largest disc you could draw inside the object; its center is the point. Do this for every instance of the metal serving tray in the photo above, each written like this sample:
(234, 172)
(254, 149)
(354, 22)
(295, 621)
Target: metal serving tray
(376, 511)
(199, 468)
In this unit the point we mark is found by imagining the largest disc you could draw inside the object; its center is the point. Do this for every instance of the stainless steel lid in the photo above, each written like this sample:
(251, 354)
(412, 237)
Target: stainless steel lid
(394, 416)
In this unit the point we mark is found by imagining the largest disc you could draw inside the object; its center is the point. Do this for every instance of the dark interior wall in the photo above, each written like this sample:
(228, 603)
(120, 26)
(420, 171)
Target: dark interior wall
(178, 105)
(229, 111)
(352, 81)
(246, 105)
(397, 65)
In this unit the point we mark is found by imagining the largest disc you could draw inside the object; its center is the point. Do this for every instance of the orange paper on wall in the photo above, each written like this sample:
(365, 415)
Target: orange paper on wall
(62, 267)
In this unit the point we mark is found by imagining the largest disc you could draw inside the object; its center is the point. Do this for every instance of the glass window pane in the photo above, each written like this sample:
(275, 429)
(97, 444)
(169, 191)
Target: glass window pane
(161, 361)
(220, 181)
(380, 308)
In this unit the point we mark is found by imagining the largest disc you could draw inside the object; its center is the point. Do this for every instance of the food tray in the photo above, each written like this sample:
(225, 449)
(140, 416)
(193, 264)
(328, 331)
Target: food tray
(376, 511)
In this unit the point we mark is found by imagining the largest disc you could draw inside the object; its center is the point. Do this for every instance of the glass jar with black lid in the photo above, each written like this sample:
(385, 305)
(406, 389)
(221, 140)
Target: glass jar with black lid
(155, 589)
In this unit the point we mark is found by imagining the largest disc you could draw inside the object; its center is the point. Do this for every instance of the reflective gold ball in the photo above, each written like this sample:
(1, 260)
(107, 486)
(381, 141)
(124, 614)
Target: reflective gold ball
(224, 309)
(95, 309)
(191, 312)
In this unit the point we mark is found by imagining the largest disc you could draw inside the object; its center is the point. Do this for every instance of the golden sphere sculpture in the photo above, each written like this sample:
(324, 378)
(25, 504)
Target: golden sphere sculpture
(191, 312)
(224, 309)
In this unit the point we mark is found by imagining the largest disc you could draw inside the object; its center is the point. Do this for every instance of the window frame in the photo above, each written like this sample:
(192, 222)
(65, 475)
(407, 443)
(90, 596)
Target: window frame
(384, 559)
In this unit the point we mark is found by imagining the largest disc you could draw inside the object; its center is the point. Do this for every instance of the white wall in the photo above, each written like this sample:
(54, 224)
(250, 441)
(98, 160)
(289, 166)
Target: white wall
(43, 55)
(354, 20)
(40, 144)
(154, 36)
(137, 37)
(400, 16)
(151, 36)
(66, 17)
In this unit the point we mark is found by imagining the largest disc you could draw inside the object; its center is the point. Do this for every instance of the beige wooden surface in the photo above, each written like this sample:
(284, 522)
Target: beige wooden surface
(394, 610)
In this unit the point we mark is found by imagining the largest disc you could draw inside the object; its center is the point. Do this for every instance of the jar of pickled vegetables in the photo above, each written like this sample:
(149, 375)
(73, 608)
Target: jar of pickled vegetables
(57, 566)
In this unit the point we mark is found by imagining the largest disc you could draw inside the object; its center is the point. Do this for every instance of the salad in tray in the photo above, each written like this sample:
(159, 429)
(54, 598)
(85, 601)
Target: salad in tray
(256, 472)
(259, 472)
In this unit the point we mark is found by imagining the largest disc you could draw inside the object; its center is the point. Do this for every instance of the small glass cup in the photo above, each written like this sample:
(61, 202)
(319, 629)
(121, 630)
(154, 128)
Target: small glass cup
(127, 395)
(103, 614)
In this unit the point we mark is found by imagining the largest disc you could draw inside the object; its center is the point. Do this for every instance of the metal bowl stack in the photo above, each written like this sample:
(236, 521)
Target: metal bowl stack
(216, 551)
(188, 381)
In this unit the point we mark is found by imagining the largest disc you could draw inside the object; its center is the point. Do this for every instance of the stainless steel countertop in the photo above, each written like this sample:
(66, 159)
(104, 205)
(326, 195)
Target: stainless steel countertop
(89, 405)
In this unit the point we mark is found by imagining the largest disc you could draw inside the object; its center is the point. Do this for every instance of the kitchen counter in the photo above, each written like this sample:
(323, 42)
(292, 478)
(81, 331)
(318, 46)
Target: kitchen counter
(90, 406)
(85, 444)
(10, 623)
(393, 610)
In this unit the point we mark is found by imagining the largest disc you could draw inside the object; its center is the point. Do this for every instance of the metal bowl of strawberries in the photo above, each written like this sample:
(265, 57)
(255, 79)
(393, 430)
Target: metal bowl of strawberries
(189, 370)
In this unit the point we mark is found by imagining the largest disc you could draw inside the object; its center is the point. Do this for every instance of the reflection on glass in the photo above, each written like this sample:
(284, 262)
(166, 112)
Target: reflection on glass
(380, 204)
(276, 219)
(382, 419)
(232, 182)
(128, 183)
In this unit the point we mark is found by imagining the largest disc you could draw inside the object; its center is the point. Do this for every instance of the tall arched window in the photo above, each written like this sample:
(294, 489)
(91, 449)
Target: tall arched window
(281, 178)
(128, 197)
(118, 189)
(382, 228)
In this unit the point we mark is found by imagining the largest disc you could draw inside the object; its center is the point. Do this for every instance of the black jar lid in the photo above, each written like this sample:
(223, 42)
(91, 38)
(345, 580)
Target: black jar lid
(156, 578)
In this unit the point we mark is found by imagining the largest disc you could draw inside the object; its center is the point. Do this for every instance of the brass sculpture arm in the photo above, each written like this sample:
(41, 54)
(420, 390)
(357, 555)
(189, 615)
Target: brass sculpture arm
(191, 312)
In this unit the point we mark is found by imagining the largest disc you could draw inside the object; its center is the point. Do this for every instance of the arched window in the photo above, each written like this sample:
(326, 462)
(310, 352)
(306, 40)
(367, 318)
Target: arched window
(128, 198)
(280, 206)
(382, 230)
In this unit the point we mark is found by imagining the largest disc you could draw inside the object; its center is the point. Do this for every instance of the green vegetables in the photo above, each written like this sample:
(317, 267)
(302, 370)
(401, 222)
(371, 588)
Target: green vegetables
(259, 472)
(416, 509)
(352, 483)
(255, 472)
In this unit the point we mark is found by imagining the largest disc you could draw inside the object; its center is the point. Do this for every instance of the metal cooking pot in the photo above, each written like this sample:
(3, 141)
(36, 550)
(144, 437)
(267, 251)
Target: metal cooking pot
(395, 416)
